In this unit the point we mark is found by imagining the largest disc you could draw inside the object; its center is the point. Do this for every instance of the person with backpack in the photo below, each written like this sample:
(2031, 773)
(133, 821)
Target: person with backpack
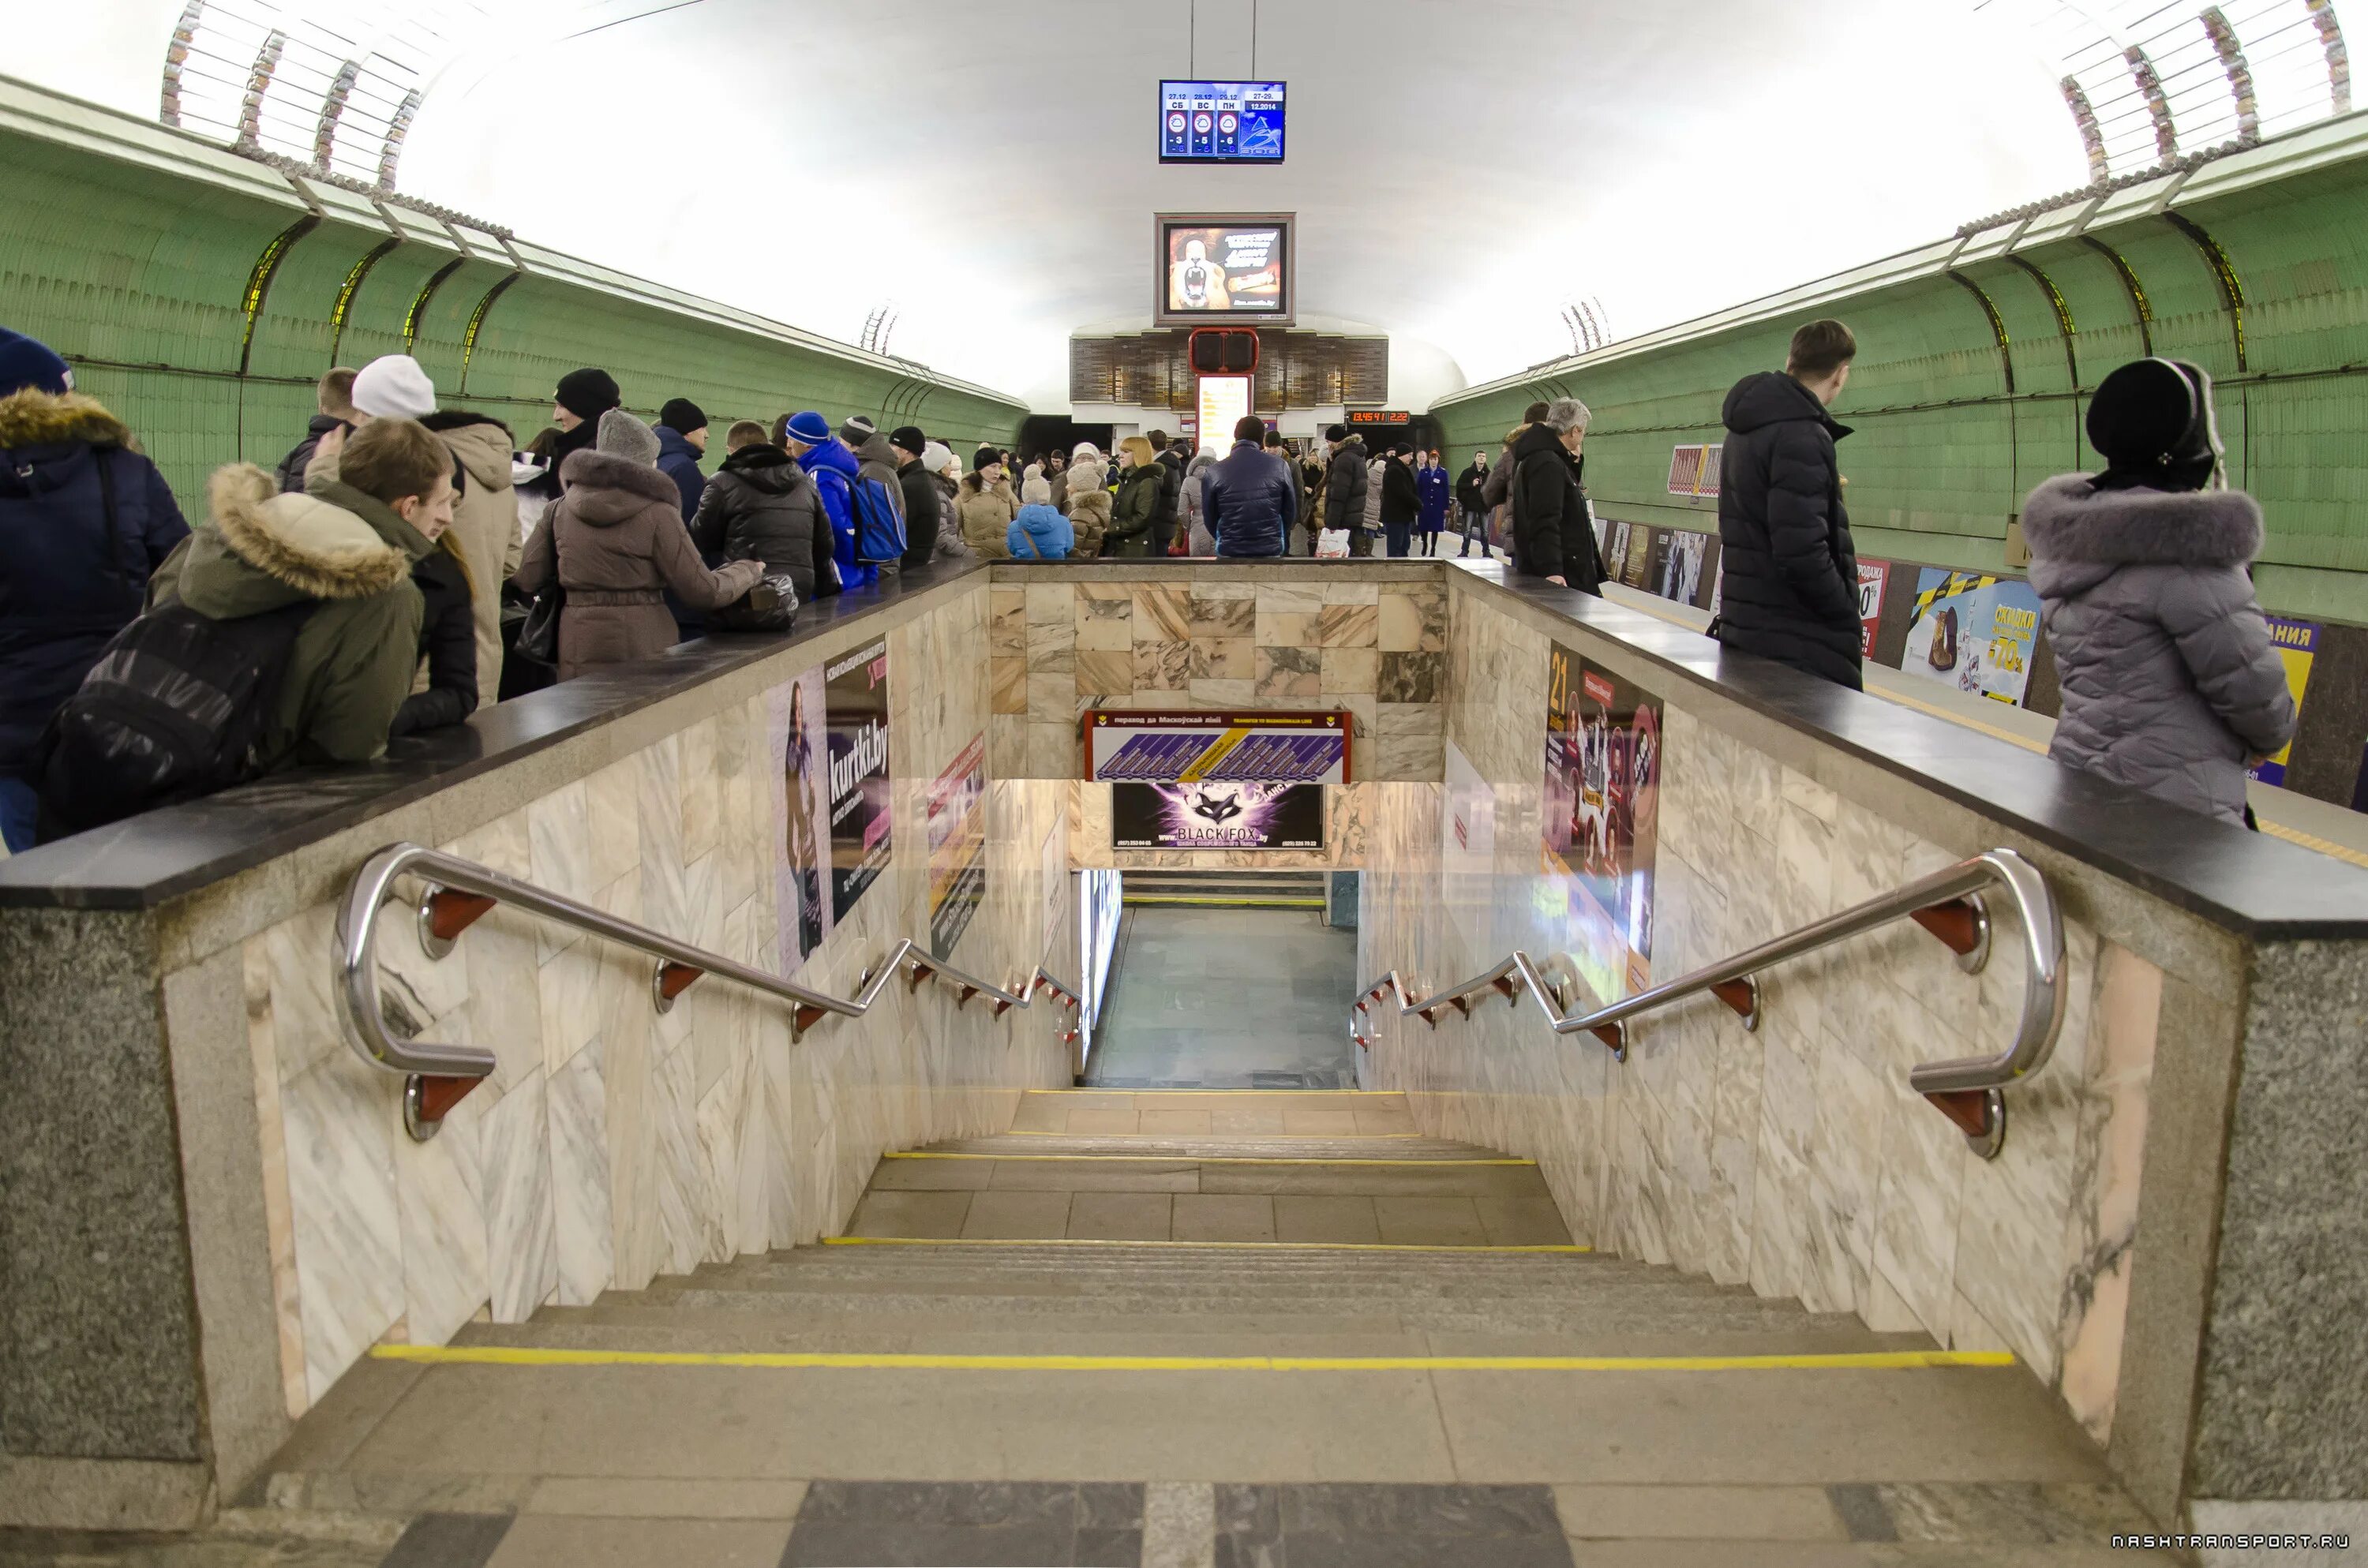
(761, 507)
(614, 543)
(858, 495)
(87, 519)
(282, 631)
(2172, 682)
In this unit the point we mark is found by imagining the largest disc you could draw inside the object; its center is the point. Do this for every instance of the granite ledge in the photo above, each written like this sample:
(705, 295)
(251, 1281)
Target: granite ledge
(165, 855)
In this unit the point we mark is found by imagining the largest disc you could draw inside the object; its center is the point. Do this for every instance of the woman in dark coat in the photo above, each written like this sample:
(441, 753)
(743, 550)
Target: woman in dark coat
(1554, 528)
(1142, 483)
(87, 519)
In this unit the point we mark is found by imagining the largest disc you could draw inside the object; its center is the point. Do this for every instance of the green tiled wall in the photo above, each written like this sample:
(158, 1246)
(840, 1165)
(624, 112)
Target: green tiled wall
(1943, 452)
(138, 276)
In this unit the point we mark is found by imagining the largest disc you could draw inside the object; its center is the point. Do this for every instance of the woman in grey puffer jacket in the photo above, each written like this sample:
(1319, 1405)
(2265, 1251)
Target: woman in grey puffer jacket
(2170, 681)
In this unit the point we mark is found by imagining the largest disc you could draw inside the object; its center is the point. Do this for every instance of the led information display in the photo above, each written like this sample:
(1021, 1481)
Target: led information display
(1220, 122)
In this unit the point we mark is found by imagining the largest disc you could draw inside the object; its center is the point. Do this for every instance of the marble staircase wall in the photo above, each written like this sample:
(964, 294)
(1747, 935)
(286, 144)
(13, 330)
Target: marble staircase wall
(612, 1143)
(1795, 1160)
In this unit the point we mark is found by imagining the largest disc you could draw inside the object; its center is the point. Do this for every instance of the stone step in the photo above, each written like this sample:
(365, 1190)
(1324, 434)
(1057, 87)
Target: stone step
(1107, 1173)
(1215, 1145)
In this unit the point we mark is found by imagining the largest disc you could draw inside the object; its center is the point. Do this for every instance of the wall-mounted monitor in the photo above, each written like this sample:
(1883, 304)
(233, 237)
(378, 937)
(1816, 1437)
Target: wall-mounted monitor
(1220, 122)
(1231, 267)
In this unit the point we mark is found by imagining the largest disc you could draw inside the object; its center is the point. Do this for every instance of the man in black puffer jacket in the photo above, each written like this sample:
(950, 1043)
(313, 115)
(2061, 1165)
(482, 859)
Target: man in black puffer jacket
(1344, 489)
(1791, 571)
(1553, 527)
(761, 507)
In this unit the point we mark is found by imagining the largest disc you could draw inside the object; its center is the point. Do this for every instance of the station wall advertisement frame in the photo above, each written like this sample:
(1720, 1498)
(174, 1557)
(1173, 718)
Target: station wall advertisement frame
(828, 732)
(1228, 781)
(1224, 268)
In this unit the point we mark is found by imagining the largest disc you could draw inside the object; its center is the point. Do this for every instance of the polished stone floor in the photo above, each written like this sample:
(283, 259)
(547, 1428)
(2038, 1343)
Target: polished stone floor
(1228, 999)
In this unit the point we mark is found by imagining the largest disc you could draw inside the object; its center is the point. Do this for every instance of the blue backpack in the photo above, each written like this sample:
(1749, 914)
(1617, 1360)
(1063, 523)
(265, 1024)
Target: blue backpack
(874, 513)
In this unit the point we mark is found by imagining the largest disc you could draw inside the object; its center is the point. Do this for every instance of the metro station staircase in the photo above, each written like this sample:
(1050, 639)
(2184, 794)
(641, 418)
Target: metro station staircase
(1231, 1309)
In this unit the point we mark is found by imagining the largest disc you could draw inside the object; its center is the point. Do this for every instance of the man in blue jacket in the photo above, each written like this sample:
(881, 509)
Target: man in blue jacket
(810, 440)
(1252, 497)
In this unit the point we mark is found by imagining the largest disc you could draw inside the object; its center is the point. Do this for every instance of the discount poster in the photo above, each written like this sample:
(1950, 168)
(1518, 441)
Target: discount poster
(1871, 577)
(1977, 633)
(1601, 821)
(828, 730)
(957, 833)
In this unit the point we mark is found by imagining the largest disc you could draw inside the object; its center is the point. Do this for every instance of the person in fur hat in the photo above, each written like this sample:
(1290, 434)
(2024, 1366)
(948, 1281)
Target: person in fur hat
(616, 541)
(1089, 500)
(87, 519)
(2171, 683)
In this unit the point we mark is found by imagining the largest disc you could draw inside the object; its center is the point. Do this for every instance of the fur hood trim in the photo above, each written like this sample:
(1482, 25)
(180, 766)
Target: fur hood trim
(2068, 518)
(31, 417)
(321, 550)
(604, 489)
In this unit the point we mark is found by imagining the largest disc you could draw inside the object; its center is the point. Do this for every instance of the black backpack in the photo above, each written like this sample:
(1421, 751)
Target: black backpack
(173, 710)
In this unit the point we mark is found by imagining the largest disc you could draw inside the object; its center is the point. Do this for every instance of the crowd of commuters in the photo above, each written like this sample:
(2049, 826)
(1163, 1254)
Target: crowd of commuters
(356, 592)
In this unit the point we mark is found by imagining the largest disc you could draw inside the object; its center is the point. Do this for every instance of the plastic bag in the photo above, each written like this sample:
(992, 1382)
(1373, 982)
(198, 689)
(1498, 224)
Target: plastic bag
(1332, 544)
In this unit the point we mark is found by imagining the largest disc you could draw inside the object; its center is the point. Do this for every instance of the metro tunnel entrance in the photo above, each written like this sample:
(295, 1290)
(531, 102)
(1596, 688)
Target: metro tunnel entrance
(1228, 980)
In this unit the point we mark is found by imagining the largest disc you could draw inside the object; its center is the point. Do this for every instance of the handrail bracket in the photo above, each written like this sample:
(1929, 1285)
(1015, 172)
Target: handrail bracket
(444, 914)
(1962, 925)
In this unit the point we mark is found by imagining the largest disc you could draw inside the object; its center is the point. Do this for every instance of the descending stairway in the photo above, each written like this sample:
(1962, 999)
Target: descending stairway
(1178, 1327)
(1230, 889)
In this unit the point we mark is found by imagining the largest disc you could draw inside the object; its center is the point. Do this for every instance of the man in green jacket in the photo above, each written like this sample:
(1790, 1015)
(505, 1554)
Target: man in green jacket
(346, 543)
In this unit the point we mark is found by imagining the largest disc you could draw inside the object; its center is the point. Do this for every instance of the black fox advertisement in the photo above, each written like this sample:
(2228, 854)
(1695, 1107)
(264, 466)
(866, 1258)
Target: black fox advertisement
(1229, 814)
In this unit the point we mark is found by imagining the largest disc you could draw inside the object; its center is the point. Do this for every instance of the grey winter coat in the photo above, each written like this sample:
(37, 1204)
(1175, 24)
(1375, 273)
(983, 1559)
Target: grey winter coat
(2169, 677)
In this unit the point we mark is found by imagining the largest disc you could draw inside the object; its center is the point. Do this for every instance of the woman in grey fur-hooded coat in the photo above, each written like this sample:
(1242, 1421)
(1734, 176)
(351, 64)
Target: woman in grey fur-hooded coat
(2170, 682)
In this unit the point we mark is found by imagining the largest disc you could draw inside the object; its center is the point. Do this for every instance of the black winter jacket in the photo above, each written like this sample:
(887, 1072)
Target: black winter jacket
(925, 508)
(448, 640)
(291, 471)
(1469, 486)
(1174, 458)
(1791, 571)
(1554, 532)
(1344, 491)
(1401, 496)
(761, 507)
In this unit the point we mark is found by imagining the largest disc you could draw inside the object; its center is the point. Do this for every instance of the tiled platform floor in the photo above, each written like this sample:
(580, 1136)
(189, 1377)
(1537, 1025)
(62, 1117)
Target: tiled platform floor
(570, 1523)
(1228, 998)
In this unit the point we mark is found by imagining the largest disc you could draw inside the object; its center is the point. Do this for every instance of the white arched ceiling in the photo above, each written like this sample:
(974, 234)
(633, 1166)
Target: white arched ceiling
(1462, 168)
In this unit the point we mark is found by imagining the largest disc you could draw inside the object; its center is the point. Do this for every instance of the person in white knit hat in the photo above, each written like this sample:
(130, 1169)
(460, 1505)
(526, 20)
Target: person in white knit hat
(393, 387)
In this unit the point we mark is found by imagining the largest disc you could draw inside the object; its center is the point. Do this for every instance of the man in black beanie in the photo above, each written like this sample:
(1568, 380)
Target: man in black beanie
(682, 441)
(583, 396)
(924, 506)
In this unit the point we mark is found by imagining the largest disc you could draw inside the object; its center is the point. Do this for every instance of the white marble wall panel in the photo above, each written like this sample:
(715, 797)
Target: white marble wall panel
(1794, 1159)
(614, 1145)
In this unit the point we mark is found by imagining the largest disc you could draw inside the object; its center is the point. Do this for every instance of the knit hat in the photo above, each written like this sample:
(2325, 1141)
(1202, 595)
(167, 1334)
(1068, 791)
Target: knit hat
(622, 436)
(682, 416)
(28, 363)
(1082, 451)
(858, 430)
(392, 386)
(983, 457)
(588, 393)
(808, 426)
(939, 458)
(1337, 434)
(908, 438)
(2152, 419)
(1037, 491)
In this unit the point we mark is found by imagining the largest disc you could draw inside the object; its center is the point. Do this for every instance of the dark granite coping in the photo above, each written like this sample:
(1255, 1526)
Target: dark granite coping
(164, 855)
(2255, 885)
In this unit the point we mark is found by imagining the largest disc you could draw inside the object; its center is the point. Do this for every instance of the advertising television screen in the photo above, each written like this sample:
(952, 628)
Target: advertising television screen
(1220, 122)
(1224, 267)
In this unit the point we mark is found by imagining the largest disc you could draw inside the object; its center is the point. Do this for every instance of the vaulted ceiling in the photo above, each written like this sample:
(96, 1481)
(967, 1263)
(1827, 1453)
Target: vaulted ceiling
(1462, 168)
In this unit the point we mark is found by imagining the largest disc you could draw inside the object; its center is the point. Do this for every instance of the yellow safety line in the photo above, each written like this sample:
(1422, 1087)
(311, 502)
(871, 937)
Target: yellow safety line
(1200, 1159)
(1280, 1094)
(1328, 1137)
(1094, 1242)
(789, 1360)
(1224, 903)
(2311, 841)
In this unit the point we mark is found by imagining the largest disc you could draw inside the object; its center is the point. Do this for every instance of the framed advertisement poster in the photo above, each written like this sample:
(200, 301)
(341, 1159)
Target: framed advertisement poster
(2298, 644)
(1871, 577)
(1191, 748)
(1601, 820)
(1217, 815)
(957, 814)
(828, 730)
(1977, 633)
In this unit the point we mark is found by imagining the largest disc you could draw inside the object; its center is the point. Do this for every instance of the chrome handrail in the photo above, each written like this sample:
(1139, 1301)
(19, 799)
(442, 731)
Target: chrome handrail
(1949, 903)
(459, 891)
